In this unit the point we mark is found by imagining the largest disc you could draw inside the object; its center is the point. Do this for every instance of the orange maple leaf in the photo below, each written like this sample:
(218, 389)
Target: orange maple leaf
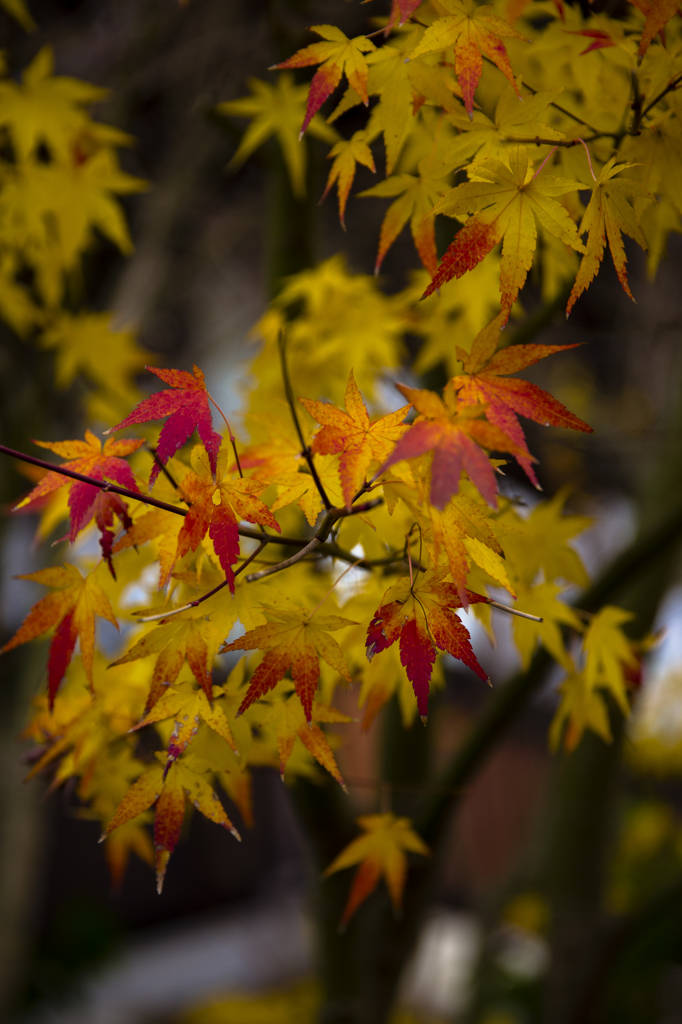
(295, 642)
(351, 434)
(420, 615)
(481, 384)
(346, 154)
(169, 790)
(218, 506)
(72, 608)
(381, 851)
(657, 13)
(336, 54)
(86, 501)
(454, 433)
(473, 31)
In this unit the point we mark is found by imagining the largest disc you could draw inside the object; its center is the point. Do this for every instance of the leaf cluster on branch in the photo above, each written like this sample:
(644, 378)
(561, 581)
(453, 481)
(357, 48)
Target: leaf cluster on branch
(540, 150)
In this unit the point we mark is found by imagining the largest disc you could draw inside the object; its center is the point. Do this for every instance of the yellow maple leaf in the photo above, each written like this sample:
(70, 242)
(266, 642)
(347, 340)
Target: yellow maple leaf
(87, 343)
(381, 851)
(187, 705)
(607, 216)
(473, 31)
(288, 720)
(506, 200)
(293, 641)
(335, 55)
(417, 196)
(276, 110)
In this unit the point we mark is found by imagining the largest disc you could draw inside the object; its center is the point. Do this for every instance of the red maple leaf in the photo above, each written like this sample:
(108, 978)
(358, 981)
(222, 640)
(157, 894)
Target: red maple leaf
(188, 410)
(455, 434)
(506, 399)
(420, 615)
(86, 501)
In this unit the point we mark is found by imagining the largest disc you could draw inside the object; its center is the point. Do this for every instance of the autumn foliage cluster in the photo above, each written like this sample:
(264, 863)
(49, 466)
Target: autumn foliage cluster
(337, 532)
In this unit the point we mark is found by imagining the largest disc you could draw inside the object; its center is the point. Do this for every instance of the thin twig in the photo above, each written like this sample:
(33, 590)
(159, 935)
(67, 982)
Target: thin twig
(271, 570)
(103, 485)
(670, 87)
(166, 472)
(204, 597)
(305, 449)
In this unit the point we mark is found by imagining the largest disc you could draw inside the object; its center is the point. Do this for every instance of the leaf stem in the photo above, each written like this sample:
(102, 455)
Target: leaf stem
(515, 611)
(233, 440)
(305, 449)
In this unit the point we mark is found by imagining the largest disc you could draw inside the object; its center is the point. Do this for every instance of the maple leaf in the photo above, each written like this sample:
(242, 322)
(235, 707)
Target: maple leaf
(86, 501)
(64, 203)
(454, 435)
(541, 600)
(44, 108)
(600, 40)
(657, 13)
(382, 851)
(19, 11)
(401, 11)
(608, 214)
(417, 196)
(608, 652)
(506, 201)
(512, 121)
(185, 636)
(336, 55)
(293, 641)
(71, 608)
(581, 707)
(540, 543)
(276, 110)
(288, 719)
(87, 344)
(474, 32)
(168, 791)
(187, 407)
(353, 436)
(187, 706)
(505, 399)
(346, 154)
(217, 507)
(402, 88)
(420, 615)
(160, 526)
